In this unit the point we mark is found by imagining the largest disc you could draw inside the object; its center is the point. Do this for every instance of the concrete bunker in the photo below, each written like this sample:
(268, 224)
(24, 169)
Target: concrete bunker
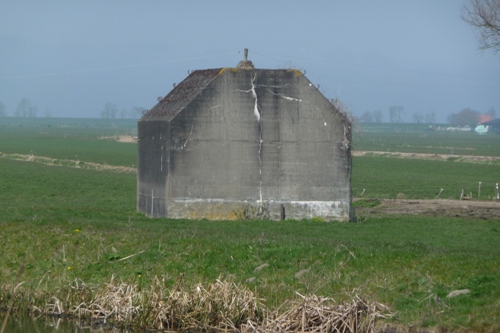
(244, 143)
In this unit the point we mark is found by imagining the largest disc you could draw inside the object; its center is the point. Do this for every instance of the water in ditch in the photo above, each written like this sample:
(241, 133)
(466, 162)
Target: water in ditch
(27, 324)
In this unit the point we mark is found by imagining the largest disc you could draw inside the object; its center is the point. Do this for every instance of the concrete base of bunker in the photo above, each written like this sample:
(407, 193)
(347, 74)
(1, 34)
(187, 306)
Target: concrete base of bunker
(220, 209)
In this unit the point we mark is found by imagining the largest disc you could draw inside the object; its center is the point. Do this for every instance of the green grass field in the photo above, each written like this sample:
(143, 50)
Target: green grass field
(63, 223)
(70, 139)
(387, 177)
(414, 138)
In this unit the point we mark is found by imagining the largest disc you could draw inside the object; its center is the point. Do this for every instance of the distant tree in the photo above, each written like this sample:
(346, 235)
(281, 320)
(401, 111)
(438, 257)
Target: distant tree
(3, 110)
(366, 117)
(466, 117)
(430, 117)
(484, 15)
(377, 116)
(25, 109)
(418, 117)
(136, 112)
(395, 112)
(492, 112)
(109, 111)
(123, 113)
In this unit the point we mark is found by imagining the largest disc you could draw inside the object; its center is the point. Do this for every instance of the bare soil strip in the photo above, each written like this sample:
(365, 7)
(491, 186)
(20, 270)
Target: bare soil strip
(437, 157)
(120, 138)
(67, 163)
(438, 207)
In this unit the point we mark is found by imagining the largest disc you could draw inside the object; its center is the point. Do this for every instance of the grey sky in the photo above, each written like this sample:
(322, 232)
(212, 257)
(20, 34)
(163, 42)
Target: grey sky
(72, 57)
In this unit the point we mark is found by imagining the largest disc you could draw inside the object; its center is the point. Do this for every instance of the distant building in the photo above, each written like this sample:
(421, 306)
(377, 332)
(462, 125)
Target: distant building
(481, 129)
(483, 118)
(234, 143)
(493, 125)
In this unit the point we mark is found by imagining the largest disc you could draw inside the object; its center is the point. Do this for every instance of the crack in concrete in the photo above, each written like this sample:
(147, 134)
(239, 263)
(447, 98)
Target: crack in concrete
(288, 98)
(161, 158)
(152, 202)
(345, 141)
(257, 114)
(254, 95)
(189, 137)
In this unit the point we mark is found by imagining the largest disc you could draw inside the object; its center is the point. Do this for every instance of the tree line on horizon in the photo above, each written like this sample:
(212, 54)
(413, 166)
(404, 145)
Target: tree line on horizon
(26, 109)
(396, 115)
(465, 117)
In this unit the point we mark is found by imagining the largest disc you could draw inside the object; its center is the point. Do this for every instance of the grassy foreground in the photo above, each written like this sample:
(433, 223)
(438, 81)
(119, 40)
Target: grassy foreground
(60, 226)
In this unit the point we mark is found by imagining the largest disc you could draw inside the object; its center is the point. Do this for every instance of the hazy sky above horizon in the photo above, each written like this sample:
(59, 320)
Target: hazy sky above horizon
(72, 57)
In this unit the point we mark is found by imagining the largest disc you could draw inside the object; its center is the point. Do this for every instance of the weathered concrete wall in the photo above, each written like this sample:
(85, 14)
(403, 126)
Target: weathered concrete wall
(152, 168)
(251, 144)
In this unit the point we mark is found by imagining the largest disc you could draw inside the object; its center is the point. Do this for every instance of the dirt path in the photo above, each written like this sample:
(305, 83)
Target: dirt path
(439, 207)
(437, 157)
(120, 138)
(67, 163)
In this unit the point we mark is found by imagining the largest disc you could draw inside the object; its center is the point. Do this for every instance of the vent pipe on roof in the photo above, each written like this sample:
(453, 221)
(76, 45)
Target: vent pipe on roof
(245, 64)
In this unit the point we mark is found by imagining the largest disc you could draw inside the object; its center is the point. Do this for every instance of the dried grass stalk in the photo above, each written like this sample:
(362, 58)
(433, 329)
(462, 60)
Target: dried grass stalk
(319, 314)
(118, 301)
(219, 306)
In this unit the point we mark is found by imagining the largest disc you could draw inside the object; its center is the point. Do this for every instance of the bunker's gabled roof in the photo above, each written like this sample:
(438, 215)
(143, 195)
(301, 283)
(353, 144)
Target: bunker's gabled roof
(170, 105)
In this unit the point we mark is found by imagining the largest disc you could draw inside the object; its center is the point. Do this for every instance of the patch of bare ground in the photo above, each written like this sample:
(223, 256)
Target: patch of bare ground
(67, 163)
(437, 157)
(438, 207)
(120, 138)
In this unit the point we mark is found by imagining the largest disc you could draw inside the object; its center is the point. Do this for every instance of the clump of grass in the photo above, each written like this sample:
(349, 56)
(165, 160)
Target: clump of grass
(117, 301)
(220, 305)
(320, 314)
(368, 203)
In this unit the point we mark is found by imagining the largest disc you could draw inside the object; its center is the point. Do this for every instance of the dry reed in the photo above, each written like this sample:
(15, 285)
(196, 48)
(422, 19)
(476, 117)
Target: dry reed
(320, 314)
(219, 306)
